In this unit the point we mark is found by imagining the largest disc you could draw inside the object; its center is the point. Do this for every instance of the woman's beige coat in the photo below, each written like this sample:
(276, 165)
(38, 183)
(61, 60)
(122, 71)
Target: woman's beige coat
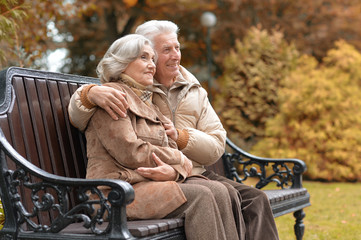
(188, 109)
(116, 148)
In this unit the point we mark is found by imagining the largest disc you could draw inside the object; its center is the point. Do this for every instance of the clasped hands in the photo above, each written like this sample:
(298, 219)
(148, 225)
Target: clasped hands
(163, 171)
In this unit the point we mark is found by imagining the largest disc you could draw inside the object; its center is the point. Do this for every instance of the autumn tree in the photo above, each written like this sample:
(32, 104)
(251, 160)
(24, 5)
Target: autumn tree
(12, 13)
(253, 71)
(102, 22)
(2, 215)
(33, 36)
(313, 25)
(320, 116)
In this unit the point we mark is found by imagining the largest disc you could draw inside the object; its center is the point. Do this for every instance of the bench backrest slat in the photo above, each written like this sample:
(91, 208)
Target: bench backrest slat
(34, 119)
(45, 136)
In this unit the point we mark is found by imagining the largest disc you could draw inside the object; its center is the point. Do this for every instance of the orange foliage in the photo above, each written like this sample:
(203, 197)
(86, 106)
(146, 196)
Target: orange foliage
(313, 25)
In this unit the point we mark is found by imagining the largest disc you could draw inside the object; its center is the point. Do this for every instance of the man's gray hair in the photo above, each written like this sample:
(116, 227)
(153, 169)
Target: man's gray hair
(117, 58)
(152, 28)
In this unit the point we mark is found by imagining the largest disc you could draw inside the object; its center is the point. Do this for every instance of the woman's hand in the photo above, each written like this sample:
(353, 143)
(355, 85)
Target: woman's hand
(111, 100)
(188, 165)
(162, 172)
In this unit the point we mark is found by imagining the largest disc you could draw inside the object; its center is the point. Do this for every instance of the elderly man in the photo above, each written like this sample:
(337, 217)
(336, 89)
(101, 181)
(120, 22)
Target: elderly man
(200, 134)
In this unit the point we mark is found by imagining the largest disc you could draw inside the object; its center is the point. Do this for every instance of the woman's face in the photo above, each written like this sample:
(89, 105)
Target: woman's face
(142, 69)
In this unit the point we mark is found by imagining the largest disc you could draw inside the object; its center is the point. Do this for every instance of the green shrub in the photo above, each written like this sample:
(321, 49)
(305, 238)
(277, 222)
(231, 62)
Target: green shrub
(249, 84)
(320, 116)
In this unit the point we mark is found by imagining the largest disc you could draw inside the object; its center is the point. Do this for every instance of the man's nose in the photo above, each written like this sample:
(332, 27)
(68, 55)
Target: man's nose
(175, 54)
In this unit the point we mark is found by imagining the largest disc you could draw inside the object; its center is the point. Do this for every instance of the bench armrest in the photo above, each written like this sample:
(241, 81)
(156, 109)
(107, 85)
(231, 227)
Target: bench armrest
(50, 194)
(286, 173)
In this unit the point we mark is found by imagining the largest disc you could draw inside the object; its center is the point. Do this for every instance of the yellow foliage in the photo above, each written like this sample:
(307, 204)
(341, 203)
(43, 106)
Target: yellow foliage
(320, 116)
(252, 75)
(2, 216)
(130, 3)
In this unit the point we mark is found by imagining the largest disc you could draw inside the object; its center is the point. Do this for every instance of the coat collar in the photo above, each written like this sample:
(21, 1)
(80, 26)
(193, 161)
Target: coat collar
(185, 79)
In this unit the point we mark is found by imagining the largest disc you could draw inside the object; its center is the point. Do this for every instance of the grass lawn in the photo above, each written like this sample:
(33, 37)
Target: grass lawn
(335, 213)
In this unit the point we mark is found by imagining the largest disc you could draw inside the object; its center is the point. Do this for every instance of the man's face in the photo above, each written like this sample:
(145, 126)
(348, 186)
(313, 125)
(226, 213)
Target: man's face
(169, 56)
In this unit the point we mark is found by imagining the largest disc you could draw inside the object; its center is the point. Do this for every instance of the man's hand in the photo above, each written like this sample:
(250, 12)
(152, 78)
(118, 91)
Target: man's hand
(163, 171)
(170, 130)
(111, 100)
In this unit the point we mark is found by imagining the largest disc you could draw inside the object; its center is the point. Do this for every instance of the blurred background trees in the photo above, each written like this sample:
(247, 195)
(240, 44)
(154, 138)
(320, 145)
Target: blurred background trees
(282, 85)
(12, 13)
(319, 116)
(85, 28)
(26, 32)
(252, 74)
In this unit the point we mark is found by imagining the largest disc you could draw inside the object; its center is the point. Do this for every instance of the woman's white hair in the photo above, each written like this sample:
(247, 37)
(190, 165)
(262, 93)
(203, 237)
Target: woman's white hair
(152, 28)
(117, 58)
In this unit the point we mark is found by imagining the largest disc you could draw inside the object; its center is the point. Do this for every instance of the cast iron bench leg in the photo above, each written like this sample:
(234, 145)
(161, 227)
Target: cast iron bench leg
(299, 226)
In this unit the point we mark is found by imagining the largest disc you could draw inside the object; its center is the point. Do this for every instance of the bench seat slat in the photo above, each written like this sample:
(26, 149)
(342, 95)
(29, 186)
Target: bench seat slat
(288, 200)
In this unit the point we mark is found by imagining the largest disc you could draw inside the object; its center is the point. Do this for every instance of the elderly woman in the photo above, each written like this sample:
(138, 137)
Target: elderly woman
(120, 149)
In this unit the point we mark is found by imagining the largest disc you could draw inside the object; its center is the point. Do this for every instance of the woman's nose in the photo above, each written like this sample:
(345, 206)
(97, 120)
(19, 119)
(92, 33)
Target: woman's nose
(151, 65)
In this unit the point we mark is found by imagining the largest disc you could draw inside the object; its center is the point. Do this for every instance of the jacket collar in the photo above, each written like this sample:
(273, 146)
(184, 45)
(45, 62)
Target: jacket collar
(185, 78)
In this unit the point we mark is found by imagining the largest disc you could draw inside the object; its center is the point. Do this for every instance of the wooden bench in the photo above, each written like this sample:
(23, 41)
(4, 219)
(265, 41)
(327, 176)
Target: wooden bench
(43, 162)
